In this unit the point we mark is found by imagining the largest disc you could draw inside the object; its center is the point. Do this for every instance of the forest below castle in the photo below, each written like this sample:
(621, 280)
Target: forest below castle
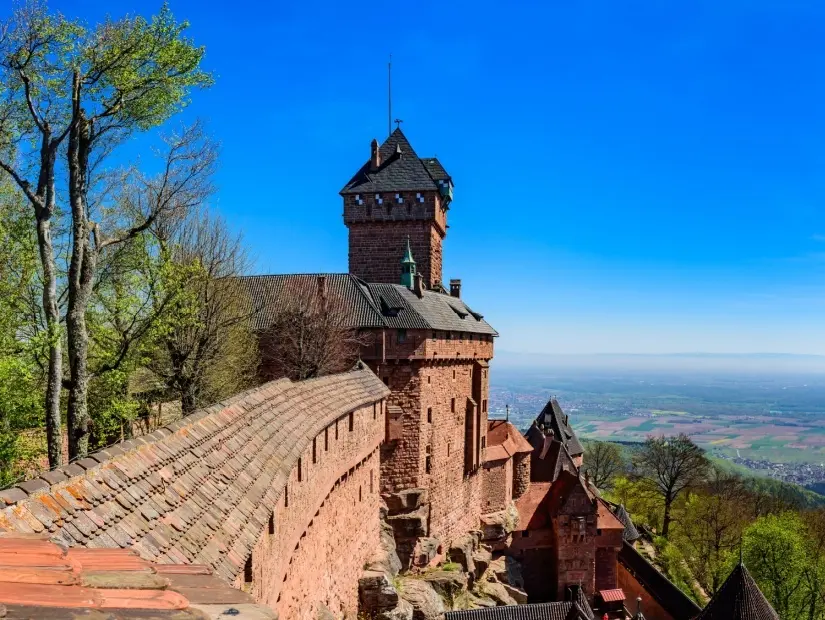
(698, 517)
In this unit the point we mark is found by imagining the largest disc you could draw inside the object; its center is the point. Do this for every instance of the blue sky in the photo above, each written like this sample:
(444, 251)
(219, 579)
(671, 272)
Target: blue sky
(640, 177)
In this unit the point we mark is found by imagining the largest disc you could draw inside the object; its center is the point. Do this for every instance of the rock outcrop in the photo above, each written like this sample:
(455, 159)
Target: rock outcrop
(425, 601)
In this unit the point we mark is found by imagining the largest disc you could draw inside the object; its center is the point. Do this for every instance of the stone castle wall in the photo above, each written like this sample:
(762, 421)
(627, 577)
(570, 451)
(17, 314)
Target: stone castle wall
(326, 524)
(498, 485)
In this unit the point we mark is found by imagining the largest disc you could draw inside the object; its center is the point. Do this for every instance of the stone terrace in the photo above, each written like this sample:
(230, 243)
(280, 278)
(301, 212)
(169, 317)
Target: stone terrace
(198, 491)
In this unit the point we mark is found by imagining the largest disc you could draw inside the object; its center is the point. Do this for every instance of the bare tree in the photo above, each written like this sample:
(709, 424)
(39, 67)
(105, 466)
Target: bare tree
(311, 333)
(670, 465)
(206, 349)
(603, 461)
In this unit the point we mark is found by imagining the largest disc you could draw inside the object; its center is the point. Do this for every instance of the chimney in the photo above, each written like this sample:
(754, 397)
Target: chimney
(418, 285)
(375, 156)
(548, 441)
(455, 288)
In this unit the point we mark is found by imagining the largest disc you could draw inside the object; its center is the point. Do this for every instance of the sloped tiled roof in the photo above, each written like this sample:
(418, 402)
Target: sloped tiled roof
(532, 507)
(40, 579)
(606, 520)
(563, 610)
(504, 441)
(400, 170)
(630, 532)
(739, 598)
(201, 489)
(432, 310)
(391, 306)
(268, 295)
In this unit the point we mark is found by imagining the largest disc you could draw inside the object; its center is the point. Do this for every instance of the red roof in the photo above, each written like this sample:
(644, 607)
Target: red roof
(532, 507)
(45, 580)
(504, 441)
(612, 596)
(606, 520)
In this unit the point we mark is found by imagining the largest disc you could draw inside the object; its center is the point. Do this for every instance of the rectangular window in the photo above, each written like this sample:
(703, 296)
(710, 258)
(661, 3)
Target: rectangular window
(326, 439)
(449, 335)
(314, 449)
(428, 461)
(401, 336)
(286, 496)
(300, 473)
(336, 430)
(452, 405)
(483, 442)
(484, 405)
(429, 414)
(374, 410)
(351, 421)
(372, 489)
(271, 524)
(429, 379)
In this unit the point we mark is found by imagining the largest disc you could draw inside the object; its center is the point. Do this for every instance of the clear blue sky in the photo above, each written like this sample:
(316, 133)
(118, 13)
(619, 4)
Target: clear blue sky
(630, 176)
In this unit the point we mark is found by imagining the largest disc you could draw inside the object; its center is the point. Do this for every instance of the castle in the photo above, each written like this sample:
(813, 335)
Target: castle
(311, 498)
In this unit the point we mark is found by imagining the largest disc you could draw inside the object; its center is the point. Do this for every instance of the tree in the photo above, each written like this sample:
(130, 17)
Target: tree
(205, 347)
(603, 461)
(711, 528)
(35, 53)
(670, 465)
(774, 549)
(127, 76)
(311, 334)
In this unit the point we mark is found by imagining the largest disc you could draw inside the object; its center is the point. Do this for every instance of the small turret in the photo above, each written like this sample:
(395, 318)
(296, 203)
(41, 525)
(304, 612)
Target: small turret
(408, 267)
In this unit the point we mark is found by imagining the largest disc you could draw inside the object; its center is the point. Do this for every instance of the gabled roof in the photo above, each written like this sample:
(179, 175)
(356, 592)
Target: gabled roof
(552, 417)
(546, 465)
(739, 598)
(566, 484)
(392, 306)
(400, 170)
(606, 520)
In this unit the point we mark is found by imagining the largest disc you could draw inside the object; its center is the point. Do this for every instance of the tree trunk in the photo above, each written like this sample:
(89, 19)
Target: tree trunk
(81, 273)
(43, 215)
(54, 381)
(667, 518)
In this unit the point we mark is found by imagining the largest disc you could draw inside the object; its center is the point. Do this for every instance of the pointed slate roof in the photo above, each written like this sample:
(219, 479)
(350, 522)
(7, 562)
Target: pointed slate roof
(739, 598)
(400, 170)
(552, 417)
(630, 532)
(562, 610)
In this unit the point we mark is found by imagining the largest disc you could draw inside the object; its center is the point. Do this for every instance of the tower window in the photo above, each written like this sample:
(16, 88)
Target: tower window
(286, 496)
(271, 524)
(359, 494)
(484, 405)
(453, 374)
(428, 461)
(300, 474)
(351, 421)
(314, 450)
(326, 439)
(452, 405)
(429, 414)
(247, 570)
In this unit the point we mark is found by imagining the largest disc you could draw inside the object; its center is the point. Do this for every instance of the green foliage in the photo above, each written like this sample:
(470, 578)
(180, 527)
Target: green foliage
(774, 549)
(672, 562)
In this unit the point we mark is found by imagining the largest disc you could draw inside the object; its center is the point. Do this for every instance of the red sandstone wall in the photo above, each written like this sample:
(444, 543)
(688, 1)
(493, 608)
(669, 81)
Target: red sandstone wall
(521, 474)
(498, 485)
(427, 344)
(378, 235)
(326, 524)
(633, 589)
(576, 556)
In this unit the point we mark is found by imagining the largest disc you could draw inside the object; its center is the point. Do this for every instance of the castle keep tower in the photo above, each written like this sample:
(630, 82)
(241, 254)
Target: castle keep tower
(394, 197)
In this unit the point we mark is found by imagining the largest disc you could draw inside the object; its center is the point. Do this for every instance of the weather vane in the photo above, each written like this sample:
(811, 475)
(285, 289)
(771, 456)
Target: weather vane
(398, 122)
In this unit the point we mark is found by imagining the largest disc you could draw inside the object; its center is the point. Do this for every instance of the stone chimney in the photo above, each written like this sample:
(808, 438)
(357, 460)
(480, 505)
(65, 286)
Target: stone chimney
(418, 287)
(455, 288)
(375, 155)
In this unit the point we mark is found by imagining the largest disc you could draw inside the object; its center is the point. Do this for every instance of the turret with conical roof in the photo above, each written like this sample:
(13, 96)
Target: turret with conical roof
(408, 267)
(739, 598)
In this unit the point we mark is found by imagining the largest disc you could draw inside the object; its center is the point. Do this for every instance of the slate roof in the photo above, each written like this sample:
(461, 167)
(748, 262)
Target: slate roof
(391, 306)
(739, 598)
(554, 418)
(268, 294)
(630, 532)
(547, 465)
(40, 579)
(563, 610)
(199, 490)
(400, 170)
